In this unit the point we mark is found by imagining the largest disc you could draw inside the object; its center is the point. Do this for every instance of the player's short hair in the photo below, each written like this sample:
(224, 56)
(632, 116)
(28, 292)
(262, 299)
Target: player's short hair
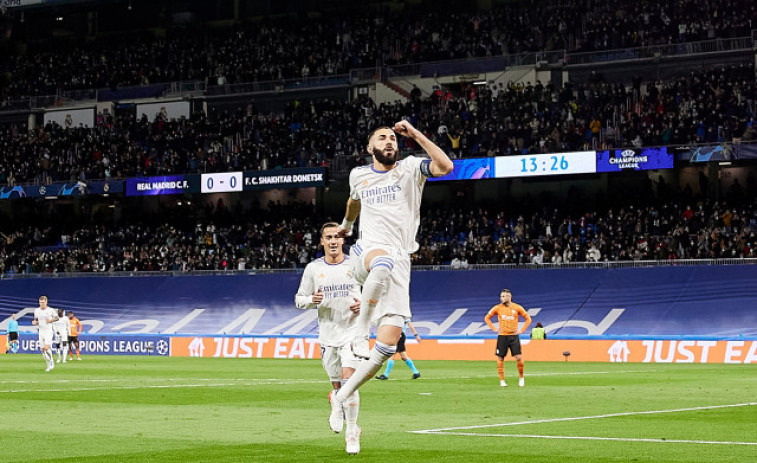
(70, 313)
(376, 130)
(506, 291)
(328, 225)
(43, 298)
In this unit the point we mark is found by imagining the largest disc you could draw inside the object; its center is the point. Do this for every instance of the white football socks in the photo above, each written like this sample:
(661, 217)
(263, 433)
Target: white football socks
(351, 408)
(48, 356)
(367, 368)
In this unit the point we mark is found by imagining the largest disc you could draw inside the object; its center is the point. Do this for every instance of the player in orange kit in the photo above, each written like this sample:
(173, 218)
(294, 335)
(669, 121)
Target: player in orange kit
(74, 326)
(508, 312)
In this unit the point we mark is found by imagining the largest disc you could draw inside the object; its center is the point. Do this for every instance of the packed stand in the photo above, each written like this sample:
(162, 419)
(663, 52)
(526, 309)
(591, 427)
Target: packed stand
(295, 47)
(287, 237)
(709, 106)
(463, 237)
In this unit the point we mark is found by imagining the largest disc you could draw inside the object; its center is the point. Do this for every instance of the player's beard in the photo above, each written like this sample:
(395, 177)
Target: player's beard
(384, 159)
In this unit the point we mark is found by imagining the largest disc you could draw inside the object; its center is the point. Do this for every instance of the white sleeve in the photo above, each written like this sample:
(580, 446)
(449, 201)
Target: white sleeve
(420, 167)
(304, 297)
(353, 191)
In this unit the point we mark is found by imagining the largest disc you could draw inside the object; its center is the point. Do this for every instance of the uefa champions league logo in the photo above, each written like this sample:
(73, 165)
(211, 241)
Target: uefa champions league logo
(162, 347)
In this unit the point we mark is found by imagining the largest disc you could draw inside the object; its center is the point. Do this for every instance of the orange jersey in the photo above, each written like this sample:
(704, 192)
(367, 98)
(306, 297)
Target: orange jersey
(74, 326)
(508, 318)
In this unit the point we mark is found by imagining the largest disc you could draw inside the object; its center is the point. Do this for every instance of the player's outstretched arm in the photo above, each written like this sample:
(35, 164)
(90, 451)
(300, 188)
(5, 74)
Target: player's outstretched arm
(350, 216)
(441, 164)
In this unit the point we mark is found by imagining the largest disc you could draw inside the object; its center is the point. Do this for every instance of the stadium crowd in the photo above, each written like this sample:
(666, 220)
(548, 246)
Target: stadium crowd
(294, 47)
(707, 106)
(286, 237)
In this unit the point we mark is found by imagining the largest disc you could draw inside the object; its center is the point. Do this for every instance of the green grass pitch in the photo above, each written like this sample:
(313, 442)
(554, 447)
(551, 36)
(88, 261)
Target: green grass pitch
(145, 409)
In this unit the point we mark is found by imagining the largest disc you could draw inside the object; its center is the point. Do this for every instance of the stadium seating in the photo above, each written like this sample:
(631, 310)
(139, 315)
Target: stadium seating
(529, 119)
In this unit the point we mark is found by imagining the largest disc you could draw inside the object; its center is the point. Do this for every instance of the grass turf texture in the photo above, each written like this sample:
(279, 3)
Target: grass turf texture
(120, 409)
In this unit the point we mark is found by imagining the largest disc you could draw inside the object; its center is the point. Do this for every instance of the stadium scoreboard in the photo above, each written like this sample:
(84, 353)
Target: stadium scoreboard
(221, 182)
(535, 165)
(226, 182)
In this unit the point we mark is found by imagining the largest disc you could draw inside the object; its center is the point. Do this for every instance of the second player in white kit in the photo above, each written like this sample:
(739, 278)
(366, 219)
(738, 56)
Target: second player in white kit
(327, 285)
(60, 330)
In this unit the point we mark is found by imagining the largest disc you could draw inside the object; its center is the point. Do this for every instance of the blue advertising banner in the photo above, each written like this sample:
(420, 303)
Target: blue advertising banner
(634, 159)
(710, 153)
(110, 344)
(96, 187)
(101, 187)
(469, 169)
(165, 185)
(12, 192)
(645, 301)
(744, 151)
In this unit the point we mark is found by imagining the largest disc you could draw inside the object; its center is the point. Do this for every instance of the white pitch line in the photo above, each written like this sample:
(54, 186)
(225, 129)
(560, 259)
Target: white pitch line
(61, 381)
(617, 439)
(249, 382)
(64, 381)
(579, 418)
(589, 373)
(69, 381)
(529, 375)
(81, 389)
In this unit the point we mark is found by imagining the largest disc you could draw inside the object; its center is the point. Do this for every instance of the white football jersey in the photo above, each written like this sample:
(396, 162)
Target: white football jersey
(61, 326)
(41, 315)
(390, 202)
(339, 292)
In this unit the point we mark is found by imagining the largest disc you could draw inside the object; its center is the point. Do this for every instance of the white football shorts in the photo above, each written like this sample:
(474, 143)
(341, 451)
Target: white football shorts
(61, 335)
(336, 358)
(396, 299)
(45, 338)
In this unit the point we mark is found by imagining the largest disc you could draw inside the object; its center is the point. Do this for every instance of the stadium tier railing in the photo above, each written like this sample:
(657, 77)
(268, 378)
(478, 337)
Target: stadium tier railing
(445, 267)
(738, 44)
(504, 61)
(280, 85)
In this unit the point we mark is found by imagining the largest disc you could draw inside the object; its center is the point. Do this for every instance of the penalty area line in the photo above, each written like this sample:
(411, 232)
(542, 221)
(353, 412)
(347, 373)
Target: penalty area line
(616, 439)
